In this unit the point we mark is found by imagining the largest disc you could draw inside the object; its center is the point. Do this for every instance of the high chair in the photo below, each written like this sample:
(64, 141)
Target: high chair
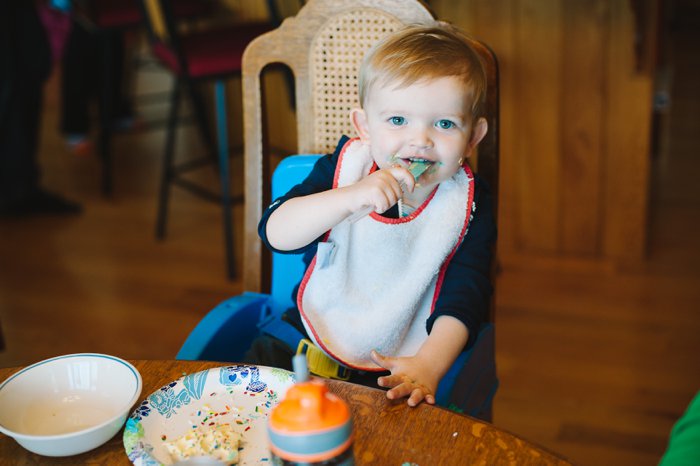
(324, 45)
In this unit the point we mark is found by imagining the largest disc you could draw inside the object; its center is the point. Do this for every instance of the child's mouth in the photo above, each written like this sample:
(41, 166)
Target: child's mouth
(418, 166)
(415, 165)
(410, 160)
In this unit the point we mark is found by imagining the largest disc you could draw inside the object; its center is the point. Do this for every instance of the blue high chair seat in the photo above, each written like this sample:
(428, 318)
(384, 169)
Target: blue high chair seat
(226, 332)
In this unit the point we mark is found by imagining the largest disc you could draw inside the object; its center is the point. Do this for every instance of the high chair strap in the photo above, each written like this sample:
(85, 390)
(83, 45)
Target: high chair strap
(273, 325)
(320, 364)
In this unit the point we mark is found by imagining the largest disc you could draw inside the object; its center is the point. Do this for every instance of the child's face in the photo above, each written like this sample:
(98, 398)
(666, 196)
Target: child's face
(428, 120)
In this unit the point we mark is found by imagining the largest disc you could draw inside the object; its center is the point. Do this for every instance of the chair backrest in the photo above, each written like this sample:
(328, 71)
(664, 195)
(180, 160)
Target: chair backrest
(323, 45)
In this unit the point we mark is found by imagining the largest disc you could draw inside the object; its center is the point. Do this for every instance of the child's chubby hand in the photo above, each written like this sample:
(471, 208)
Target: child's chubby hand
(409, 377)
(381, 189)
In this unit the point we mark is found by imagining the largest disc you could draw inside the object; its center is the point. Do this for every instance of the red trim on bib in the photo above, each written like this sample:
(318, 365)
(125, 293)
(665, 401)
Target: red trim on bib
(341, 157)
(467, 220)
(317, 338)
(408, 218)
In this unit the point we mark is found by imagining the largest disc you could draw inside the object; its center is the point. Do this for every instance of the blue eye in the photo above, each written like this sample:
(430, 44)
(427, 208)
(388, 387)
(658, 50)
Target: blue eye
(445, 124)
(397, 120)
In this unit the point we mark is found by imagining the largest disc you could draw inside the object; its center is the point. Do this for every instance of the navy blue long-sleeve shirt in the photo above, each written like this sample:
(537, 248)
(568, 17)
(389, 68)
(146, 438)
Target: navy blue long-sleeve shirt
(466, 288)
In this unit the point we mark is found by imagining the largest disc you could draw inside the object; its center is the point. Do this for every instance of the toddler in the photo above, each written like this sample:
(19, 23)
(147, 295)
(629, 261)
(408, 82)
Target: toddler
(397, 282)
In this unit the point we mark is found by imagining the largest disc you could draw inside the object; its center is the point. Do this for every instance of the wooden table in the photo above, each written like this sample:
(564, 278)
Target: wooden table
(386, 432)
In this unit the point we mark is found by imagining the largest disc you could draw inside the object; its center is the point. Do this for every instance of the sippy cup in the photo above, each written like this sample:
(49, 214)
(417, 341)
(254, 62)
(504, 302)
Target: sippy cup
(310, 426)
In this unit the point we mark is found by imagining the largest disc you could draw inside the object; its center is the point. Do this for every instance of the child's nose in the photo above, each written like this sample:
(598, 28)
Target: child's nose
(421, 139)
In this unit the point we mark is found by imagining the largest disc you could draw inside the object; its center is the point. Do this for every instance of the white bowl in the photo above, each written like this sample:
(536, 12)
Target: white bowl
(68, 404)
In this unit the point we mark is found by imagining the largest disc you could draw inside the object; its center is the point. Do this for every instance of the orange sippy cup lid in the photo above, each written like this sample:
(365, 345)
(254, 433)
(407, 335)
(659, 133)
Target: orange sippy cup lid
(309, 407)
(310, 424)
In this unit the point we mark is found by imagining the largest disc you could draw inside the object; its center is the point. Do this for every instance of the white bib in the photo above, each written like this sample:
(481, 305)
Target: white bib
(379, 286)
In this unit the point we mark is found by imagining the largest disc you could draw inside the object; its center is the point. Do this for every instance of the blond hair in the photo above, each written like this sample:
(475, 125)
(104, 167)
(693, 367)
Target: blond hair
(421, 52)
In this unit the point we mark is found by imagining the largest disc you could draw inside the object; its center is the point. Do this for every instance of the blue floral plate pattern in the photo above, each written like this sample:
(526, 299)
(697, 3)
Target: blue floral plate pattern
(239, 395)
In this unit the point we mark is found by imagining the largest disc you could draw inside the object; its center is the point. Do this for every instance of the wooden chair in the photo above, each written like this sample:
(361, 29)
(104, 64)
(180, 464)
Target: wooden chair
(323, 45)
(195, 58)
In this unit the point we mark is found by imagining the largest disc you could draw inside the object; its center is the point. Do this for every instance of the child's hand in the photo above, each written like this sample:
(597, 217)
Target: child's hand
(381, 189)
(409, 377)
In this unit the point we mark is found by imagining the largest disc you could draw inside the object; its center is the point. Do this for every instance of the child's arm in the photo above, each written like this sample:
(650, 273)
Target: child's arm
(418, 376)
(301, 220)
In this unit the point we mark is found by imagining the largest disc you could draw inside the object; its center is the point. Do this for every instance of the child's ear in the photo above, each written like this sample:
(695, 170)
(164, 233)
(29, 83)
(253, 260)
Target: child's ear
(478, 132)
(359, 121)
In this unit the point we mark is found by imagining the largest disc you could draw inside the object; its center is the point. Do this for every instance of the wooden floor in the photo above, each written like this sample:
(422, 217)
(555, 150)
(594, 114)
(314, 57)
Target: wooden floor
(595, 365)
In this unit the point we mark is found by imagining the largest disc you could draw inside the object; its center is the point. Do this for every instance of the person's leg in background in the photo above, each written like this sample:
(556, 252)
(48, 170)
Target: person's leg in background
(123, 114)
(25, 63)
(82, 78)
(78, 87)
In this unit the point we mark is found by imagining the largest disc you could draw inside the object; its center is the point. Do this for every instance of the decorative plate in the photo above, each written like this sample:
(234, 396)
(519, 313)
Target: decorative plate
(240, 395)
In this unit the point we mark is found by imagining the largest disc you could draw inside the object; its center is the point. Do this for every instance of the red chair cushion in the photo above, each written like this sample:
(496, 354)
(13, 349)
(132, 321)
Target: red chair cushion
(212, 53)
(123, 14)
(116, 13)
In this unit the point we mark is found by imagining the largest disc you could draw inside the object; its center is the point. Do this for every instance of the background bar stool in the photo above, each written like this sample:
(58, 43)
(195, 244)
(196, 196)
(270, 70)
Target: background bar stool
(115, 16)
(195, 58)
